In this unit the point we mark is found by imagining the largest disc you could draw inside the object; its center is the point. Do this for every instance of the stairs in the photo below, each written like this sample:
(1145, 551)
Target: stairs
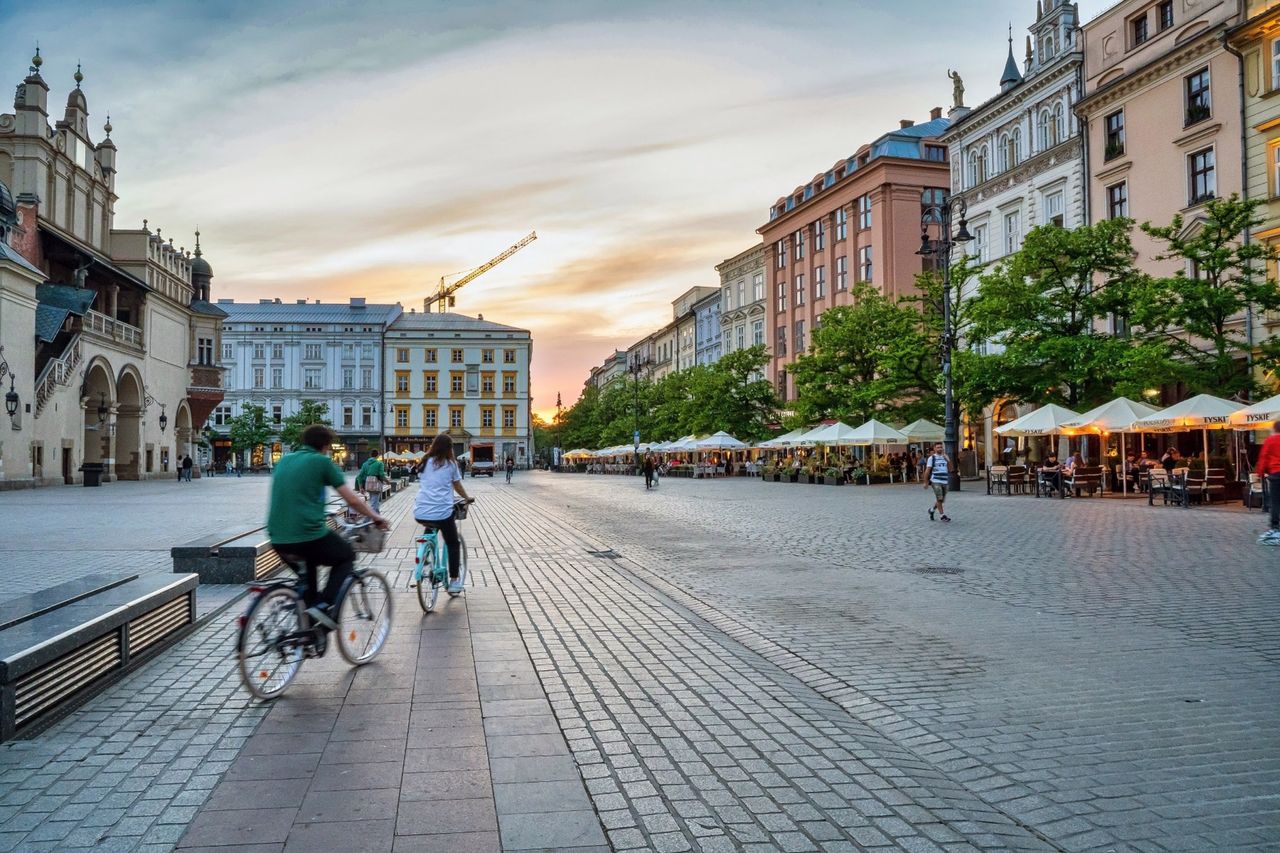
(57, 373)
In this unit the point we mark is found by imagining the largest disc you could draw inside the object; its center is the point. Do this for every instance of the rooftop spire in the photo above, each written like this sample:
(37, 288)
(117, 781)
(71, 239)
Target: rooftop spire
(107, 126)
(197, 241)
(1012, 76)
(37, 60)
(79, 78)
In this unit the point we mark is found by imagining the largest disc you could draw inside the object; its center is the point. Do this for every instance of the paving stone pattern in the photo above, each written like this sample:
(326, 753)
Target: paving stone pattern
(1101, 672)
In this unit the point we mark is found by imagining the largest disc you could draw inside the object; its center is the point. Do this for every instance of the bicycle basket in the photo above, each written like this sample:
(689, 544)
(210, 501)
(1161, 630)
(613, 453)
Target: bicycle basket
(460, 510)
(366, 540)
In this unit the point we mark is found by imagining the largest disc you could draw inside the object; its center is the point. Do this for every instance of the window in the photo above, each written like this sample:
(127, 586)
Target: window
(402, 381)
(782, 384)
(1118, 200)
(799, 336)
(1002, 150)
(842, 223)
(277, 351)
(455, 356)
(798, 239)
(402, 355)
(204, 350)
(221, 415)
(402, 417)
(1115, 135)
(936, 153)
(366, 377)
(508, 417)
(757, 287)
(226, 352)
(1053, 212)
(508, 383)
(780, 348)
(1058, 130)
(277, 377)
(486, 356)
(1275, 64)
(1012, 232)
(508, 356)
(782, 296)
(487, 383)
(842, 273)
(980, 245)
(819, 236)
(1275, 171)
(348, 378)
(1203, 182)
(277, 413)
(819, 282)
(366, 351)
(455, 418)
(931, 204)
(1046, 49)
(741, 337)
(782, 254)
(311, 378)
(431, 383)
(1166, 15)
(257, 377)
(757, 332)
(799, 290)
(1199, 101)
(864, 264)
(486, 417)
(348, 352)
(1139, 28)
(259, 351)
(455, 383)
(429, 417)
(348, 416)
(430, 356)
(728, 300)
(366, 416)
(864, 211)
(313, 352)
(742, 292)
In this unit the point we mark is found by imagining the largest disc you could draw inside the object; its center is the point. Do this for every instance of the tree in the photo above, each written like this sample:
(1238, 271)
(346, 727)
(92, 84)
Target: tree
(732, 395)
(250, 428)
(311, 412)
(1198, 310)
(1047, 305)
(544, 438)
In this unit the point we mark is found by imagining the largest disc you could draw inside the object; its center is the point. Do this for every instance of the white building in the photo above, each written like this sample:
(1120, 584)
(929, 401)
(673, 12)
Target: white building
(1018, 159)
(743, 312)
(110, 345)
(278, 354)
(462, 375)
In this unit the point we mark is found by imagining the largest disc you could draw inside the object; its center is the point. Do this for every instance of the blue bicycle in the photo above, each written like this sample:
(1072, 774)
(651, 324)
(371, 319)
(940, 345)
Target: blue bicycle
(431, 566)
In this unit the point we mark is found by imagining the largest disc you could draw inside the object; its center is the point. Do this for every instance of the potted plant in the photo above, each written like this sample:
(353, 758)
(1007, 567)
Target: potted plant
(857, 475)
(812, 470)
(832, 477)
(1113, 150)
(769, 472)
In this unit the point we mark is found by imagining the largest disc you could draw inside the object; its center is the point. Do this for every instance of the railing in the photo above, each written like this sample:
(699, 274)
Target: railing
(113, 329)
(58, 371)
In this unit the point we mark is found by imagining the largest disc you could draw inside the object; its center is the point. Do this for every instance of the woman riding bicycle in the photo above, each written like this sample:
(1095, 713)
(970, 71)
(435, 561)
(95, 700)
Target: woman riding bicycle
(433, 507)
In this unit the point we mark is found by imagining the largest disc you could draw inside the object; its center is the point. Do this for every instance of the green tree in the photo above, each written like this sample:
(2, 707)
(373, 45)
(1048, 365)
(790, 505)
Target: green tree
(1199, 315)
(250, 428)
(311, 412)
(732, 395)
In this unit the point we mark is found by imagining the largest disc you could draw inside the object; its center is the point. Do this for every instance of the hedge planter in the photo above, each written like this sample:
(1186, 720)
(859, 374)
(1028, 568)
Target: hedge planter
(833, 481)
(790, 478)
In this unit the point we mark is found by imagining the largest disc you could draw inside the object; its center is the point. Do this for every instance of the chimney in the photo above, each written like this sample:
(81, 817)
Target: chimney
(317, 301)
(264, 301)
(479, 316)
(357, 302)
(935, 113)
(277, 300)
(905, 123)
(302, 302)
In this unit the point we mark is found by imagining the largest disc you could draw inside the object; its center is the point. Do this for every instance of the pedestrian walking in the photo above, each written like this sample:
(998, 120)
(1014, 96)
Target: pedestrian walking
(937, 475)
(373, 479)
(511, 468)
(1269, 471)
(649, 469)
(187, 465)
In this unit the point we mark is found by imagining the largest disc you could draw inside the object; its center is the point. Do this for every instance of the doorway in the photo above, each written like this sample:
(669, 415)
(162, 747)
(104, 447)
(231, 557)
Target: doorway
(67, 478)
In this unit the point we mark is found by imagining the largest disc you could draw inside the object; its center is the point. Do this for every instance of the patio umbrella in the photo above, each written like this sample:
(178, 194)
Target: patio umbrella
(1258, 415)
(875, 432)
(780, 440)
(1116, 416)
(1046, 420)
(826, 434)
(922, 431)
(719, 441)
(1203, 412)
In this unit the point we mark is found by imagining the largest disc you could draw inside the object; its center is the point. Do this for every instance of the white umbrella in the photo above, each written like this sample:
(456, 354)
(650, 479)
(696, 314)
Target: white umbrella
(719, 441)
(824, 434)
(1203, 412)
(1259, 415)
(1116, 416)
(781, 440)
(875, 432)
(923, 431)
(1046, 420)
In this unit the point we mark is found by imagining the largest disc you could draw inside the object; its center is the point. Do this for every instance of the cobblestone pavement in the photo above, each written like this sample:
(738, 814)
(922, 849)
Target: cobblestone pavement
(1091, 674)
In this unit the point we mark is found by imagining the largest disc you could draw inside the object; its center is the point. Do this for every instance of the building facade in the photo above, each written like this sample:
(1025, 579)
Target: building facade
(278, 354)
(1018, 162)
(1256, 44)
(110, 342)
(685, 315)
(708, 345)
(743, 313)
(613, 369)
(462, 375)
(858, 222)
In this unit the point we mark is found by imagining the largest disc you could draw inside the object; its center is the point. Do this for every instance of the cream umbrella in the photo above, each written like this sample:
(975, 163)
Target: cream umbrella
(1046, 420)
(1257, 416)
(833, 434)
(719, 441)
(1116, 416)
(1203, 412)
(781, 440)
(875, 432)
(923, 431)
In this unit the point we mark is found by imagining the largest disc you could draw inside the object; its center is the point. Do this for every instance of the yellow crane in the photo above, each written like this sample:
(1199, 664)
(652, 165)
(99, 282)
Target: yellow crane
(444, 296)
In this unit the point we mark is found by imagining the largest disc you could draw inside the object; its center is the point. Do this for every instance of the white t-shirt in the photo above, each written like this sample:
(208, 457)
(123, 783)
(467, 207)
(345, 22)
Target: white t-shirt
(435, 491)
(938, 462)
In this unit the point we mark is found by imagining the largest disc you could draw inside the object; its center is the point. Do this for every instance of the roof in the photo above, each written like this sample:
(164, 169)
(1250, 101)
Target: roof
(447, 322)
(76, 300)
(8, 253)
(49, 320)
(202, 306)
(905, 142)
(308, 312)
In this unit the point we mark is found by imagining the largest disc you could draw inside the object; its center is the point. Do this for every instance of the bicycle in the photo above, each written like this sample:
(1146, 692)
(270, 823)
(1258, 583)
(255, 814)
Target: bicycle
(276, 635)
(431, 565)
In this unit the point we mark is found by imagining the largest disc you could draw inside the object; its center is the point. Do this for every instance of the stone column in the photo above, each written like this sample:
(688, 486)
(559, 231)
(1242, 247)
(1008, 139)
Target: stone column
(113, 300)
(109, 445)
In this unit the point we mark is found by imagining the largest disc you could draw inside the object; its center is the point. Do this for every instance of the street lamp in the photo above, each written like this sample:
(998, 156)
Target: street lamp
(559, 446)
(637, 366)
(940, 249)
(11, 400)
(164, 419)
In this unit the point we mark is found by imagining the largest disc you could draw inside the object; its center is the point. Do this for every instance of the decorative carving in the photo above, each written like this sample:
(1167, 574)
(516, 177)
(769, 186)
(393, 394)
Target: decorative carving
(957, 89)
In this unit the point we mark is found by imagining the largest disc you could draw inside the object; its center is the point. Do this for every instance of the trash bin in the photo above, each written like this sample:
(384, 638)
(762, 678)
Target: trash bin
(92, 473)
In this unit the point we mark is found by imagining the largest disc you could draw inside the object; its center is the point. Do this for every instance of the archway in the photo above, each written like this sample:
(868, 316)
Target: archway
(97, 402)
(129, 392)
(182, 435)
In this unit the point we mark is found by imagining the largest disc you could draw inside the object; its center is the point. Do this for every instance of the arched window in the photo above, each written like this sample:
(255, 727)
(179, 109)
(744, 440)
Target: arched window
(984, 163)
(1059, 129)
(1042, 131)
(973, 169)
(1046, 49)
(1002, 153)
(1015, 147)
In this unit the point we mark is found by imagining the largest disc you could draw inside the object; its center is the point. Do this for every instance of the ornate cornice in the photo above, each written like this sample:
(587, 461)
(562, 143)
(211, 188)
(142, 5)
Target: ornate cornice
(1014, 101)
(1027, 170)
(1205, 44)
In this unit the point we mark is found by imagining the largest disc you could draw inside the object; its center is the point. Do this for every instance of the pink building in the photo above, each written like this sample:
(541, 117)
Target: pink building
(857, 222)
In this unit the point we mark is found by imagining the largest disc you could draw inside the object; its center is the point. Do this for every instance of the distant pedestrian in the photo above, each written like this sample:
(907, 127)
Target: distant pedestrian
(372, 479)
(937, 469)
(511, 468)
(1269, 471)
(649, 469)
(187, 465)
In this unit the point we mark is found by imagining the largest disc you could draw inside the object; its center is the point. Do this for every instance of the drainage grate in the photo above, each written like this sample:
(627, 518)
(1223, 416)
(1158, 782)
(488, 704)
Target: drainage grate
(610, 554)
(938, 570)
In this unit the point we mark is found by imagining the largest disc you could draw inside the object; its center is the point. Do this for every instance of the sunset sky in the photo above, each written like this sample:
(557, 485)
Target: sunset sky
(349, 148)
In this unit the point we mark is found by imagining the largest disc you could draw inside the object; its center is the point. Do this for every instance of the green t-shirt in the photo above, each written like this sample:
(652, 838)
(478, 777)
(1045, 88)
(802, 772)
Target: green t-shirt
(296, 512)
(372, 468)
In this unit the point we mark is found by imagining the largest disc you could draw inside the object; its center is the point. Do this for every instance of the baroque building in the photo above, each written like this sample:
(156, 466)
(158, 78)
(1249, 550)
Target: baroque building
(743, 313)
(110, 342)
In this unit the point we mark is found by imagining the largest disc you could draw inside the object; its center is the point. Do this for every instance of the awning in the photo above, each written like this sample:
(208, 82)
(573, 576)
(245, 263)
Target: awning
(1047, 420)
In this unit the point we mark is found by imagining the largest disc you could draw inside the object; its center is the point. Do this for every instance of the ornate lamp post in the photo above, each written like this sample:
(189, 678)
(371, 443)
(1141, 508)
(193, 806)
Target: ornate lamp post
(559, 446)
(940, 250)
(11, 400)
(637, 366)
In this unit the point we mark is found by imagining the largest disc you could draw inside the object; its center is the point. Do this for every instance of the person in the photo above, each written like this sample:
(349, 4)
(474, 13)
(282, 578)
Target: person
(187, 465)
(1170, 459)
(228, 467)
(373, 479)
(649, 469)
(298, 528)
(1269, 471)
(511, 468)
(1051, 473)
(937, 469)
(433, 507)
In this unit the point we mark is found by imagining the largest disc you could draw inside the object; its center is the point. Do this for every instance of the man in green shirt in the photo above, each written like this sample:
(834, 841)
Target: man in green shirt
(372, 469)
(296, 521)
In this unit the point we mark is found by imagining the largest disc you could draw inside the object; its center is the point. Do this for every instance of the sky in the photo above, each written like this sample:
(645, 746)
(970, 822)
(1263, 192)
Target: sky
(348, 148)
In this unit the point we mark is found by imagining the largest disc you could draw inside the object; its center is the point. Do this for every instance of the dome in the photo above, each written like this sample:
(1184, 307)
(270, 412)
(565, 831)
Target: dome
(199, 266)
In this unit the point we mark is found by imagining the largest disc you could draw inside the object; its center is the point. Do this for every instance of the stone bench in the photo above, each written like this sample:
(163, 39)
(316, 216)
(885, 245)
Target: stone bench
(62, 643)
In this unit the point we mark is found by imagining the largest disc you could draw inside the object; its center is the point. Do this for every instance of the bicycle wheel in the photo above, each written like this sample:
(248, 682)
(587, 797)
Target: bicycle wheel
(429, 586)
(364, 617)
(462, 563)
(270, 646)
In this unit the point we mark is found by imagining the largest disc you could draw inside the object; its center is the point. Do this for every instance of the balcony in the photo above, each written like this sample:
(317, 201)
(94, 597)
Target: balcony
(102, 326)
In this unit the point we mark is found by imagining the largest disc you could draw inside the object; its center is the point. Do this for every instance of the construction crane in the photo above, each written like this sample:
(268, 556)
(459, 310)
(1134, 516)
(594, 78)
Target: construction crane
(444, 297)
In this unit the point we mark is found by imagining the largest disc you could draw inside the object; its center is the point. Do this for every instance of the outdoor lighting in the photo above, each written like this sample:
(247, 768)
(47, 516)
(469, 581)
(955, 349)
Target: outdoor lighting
(102, 407)
(940, 249)
(164, 419)
(1151, 393)
(11, 399)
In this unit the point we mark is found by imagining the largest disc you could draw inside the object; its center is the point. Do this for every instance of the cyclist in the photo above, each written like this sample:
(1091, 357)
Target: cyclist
(433, 507)
(297, 525)
(511, 468)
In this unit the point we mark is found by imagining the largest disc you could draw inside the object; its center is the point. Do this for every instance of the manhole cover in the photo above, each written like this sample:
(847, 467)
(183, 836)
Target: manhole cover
(939, 570)
(606, 555)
